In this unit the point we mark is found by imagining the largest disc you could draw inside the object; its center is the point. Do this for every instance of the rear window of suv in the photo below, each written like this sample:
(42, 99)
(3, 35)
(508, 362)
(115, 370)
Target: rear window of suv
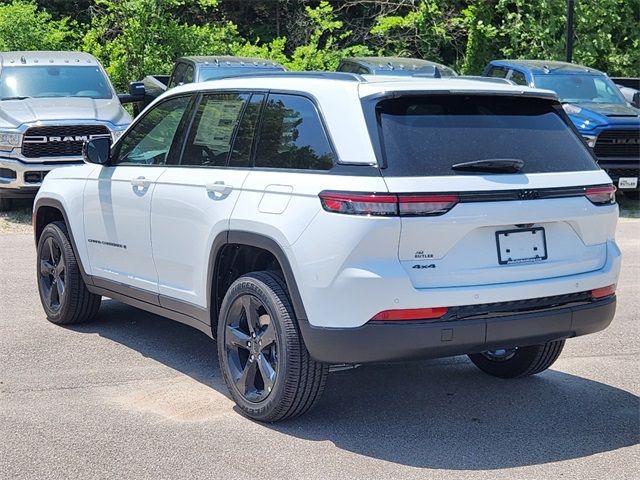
(427, 135)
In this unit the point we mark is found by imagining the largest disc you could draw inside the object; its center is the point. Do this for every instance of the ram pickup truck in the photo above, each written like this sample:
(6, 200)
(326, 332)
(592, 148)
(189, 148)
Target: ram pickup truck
(608, 122)
(200, 69)
(395, 66)
(50, 104)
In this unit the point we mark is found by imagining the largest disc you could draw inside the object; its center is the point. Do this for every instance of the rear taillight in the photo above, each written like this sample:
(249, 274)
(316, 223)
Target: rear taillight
(603, 292)
(410, 314)
(387, 204)
(360, 203)
(604, 195)
(420, 205)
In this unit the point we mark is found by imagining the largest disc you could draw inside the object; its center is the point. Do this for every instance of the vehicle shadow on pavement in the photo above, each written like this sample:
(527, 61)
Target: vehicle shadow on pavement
(442, 414)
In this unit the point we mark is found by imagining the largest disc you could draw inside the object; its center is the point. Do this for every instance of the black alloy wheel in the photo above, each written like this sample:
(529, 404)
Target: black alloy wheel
(52, 274)
(251, 348)
(518, 362)
(262, 355)
(63, 293)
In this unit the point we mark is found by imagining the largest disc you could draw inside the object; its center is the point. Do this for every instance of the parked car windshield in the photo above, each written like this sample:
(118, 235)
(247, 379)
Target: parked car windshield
(54, 81)
(581, 88)
(427, 135)
(213, 73)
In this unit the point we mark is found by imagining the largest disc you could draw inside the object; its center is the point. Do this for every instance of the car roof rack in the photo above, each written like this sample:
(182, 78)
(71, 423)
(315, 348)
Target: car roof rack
(344, 76)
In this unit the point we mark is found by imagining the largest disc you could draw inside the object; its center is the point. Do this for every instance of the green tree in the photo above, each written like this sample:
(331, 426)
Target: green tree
(25, 27)
(135, 38)
(323, 50)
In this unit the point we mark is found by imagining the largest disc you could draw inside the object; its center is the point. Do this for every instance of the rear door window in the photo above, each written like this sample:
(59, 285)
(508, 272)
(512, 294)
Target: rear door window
(210, 138)
(498, 72)
(518, 77)
(427, 135)
(292, 135)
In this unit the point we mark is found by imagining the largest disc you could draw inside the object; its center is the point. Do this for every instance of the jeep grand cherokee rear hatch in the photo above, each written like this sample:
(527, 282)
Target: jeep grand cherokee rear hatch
(521, 197)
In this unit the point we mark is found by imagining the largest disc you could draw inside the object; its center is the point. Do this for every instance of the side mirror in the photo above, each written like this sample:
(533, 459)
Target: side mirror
(136, 89)
(635, 101)
(137, 93)
(97, 150)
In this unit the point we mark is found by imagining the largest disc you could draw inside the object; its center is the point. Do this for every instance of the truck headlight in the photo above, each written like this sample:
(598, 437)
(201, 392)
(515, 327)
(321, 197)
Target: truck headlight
(9, 140)
(591, 140)
(117, 133)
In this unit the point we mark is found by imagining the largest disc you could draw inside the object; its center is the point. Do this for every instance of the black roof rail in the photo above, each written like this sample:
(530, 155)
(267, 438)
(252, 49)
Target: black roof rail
(344, 76)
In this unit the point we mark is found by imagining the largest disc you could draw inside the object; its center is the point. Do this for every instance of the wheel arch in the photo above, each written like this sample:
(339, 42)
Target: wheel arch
(256, 241)
(48, 210)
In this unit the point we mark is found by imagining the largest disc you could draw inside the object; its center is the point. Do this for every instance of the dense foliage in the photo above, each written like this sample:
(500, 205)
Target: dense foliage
(138, 37)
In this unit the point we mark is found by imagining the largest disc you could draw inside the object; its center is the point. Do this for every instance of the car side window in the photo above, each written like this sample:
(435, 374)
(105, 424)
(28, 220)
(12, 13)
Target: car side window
(498, 72)
(292, 135)
(149, 141)
(243, 143)
(188, 75)
(210, 138)
(518, 77)
(178, 75)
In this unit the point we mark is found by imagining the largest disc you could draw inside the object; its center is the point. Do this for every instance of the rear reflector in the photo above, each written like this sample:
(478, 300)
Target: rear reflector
(411, 314)
(603, 292)
(387, 204)
(604, 195)
(420, 205)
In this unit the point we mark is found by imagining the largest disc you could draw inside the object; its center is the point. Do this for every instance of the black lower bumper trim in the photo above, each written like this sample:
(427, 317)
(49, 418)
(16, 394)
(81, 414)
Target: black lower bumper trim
(17, 193)
(385, 342)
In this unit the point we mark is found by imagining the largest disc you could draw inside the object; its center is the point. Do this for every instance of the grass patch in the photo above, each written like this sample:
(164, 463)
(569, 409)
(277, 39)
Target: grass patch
(17, 220)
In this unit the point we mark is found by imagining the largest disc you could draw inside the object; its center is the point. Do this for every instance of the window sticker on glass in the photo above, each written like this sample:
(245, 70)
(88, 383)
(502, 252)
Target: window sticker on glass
(217, 124)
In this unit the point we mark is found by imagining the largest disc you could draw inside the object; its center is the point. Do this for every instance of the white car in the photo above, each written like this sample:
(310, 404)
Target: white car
(309, 220)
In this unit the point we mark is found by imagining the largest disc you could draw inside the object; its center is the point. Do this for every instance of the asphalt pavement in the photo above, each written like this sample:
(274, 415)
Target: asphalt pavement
(134, 395)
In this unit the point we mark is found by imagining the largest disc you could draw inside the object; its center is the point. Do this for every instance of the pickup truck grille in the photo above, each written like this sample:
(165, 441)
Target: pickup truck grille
(618, 143)
(59, 141)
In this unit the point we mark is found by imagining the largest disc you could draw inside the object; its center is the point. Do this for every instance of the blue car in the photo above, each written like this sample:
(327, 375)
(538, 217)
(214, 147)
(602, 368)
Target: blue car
(609, 124)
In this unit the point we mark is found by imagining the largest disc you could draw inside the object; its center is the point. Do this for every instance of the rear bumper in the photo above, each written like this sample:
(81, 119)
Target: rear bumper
(386, 342)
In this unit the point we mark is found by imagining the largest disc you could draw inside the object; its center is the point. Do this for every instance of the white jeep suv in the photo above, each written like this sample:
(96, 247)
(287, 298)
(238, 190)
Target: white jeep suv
(305, 220)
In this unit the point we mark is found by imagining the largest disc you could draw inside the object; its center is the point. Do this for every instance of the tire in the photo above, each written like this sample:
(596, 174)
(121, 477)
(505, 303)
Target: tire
(632, 194)
(5, 204)
(519, 362)
(62, 290)
(264, 362)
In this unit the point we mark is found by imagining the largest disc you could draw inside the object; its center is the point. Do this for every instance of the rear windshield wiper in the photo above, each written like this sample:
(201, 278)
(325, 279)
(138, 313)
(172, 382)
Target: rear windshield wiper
(14, 98)
(497, 165)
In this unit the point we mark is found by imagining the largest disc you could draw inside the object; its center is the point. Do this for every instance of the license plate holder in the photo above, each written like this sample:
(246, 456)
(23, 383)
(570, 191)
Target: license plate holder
(522, 245)
(627, 182)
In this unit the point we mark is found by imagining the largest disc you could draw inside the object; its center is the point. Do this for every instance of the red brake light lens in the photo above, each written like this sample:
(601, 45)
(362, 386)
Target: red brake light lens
(603, 292)
(604, 195)
(360, 203)
(387, 204)
(410, 314)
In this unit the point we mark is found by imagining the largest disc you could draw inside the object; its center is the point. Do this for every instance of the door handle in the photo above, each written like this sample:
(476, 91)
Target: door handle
(140, 182)
(219, 187)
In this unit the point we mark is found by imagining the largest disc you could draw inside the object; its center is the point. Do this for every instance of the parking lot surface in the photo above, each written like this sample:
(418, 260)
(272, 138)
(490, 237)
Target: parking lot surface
(134, 395)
